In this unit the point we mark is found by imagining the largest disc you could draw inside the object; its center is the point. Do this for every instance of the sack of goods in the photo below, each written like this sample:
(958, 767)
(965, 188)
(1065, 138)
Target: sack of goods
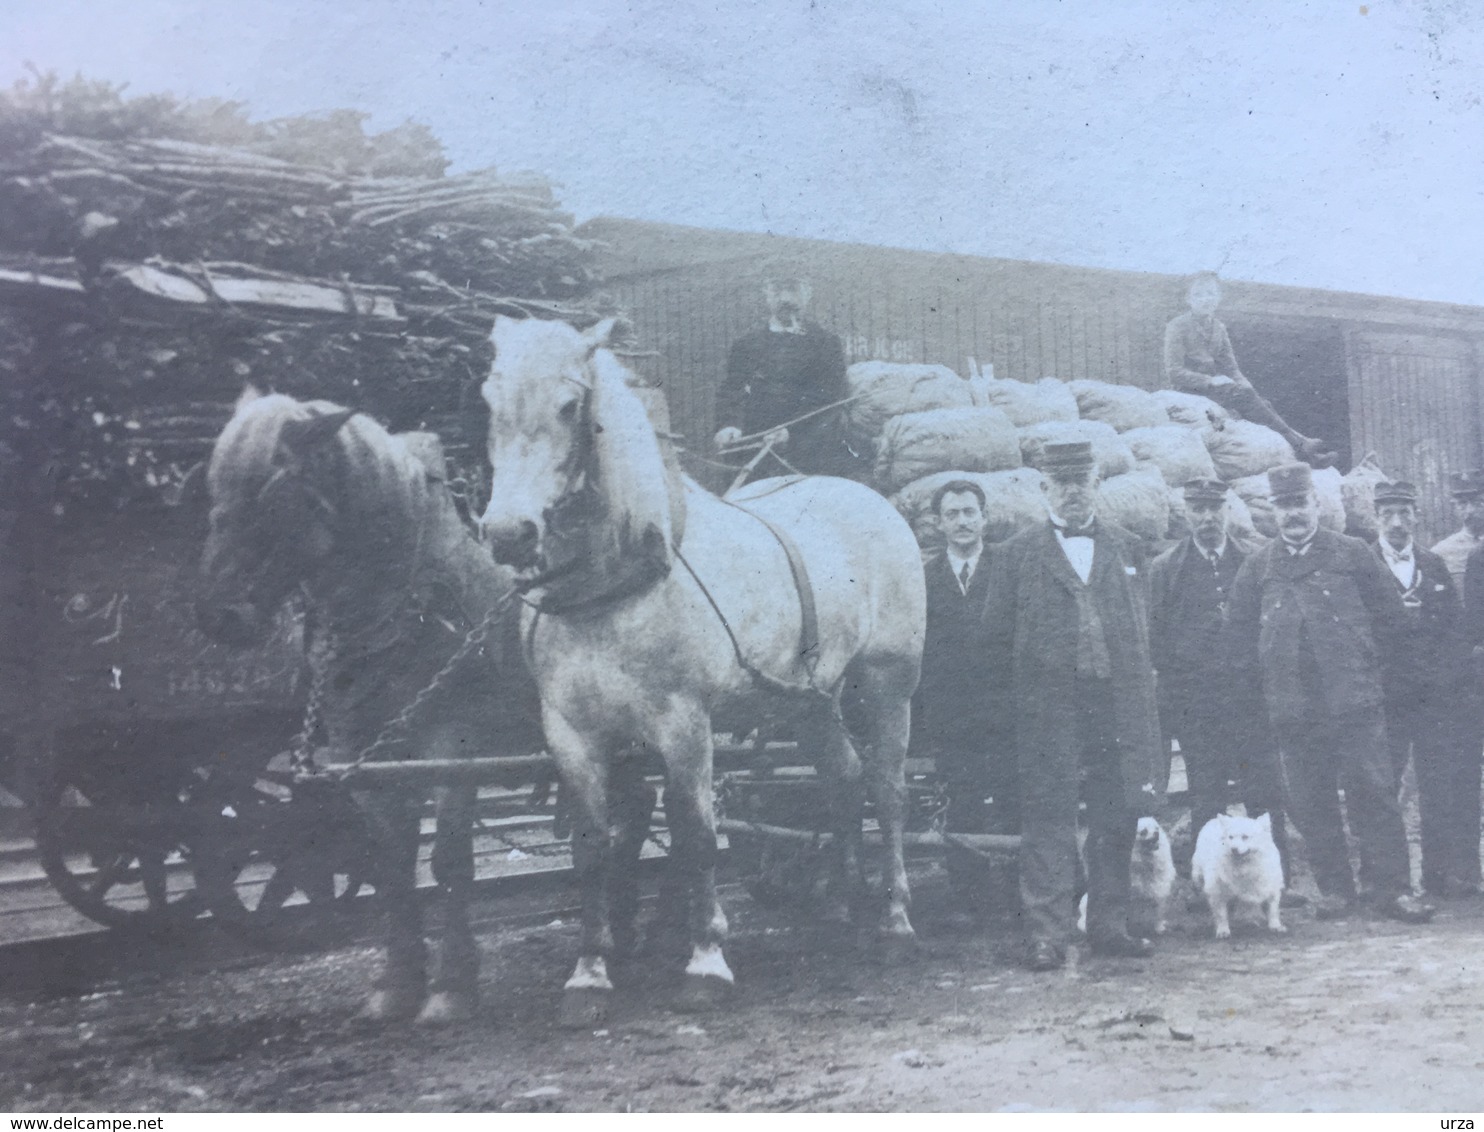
(1013, 501)
(1358, 490)
(1108, 448)
(1178, 454)
(1139, 502)
(914, 445)
(1027, 403)
(889, 389)
(1190, 409)
(1328, 488)
(1122, 406)
(1243, 448)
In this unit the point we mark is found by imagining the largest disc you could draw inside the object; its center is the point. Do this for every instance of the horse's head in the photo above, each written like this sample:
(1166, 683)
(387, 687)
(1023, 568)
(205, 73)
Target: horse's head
(577, 469)
(272, 520)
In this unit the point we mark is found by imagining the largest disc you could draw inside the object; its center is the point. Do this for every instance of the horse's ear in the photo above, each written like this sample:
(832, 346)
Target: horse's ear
(302, 437)
(249, 394)
(599, 335)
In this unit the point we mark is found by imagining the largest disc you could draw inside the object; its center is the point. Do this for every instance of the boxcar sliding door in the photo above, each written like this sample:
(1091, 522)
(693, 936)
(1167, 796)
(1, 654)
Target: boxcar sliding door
(1414, 402)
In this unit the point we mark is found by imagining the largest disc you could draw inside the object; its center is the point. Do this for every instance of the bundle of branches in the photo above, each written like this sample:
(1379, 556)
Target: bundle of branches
(156, 255)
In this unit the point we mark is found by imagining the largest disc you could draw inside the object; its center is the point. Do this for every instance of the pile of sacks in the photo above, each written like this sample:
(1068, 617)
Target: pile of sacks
(928, 425)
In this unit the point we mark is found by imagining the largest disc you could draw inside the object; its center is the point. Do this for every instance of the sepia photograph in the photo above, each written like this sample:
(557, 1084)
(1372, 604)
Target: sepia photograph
(790, 556)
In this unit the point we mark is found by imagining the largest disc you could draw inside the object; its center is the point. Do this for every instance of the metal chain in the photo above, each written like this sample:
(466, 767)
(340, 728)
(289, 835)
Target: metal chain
(394, 728)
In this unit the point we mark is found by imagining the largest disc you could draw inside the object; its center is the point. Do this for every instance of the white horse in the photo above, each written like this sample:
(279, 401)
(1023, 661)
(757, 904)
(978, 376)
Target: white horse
(653, 604)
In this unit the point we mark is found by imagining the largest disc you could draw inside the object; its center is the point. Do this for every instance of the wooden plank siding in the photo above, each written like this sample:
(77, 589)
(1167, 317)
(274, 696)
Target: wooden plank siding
(1409, 368)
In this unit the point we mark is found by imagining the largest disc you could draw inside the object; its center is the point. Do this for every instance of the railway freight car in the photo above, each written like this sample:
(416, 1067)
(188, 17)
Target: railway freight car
(1396, 377)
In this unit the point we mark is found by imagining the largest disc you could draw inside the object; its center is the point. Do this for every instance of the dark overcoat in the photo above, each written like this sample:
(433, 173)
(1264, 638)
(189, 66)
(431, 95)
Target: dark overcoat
(951, 709)
(1428, 662)
(1338, 604)
(1030, 627)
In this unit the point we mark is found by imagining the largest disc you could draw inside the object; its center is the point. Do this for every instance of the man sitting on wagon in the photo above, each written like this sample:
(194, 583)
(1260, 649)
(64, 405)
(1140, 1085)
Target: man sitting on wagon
(781, 372)
(1199, 359)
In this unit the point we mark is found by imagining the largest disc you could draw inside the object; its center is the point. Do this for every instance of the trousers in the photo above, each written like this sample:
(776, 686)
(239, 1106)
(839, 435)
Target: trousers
(1323, 756)
(982, 798)
(1230, 756)
(1048, 831)
(1446, 757)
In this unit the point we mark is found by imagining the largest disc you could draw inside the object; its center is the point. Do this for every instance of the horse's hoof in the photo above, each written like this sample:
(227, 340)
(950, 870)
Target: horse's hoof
(392, 1004)
(445, 1007)
(583, 1008)
(899, 947)
(701, 993)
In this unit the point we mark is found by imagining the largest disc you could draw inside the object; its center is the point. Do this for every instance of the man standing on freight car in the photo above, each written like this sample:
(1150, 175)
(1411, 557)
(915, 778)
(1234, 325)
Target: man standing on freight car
(1312, 612)
(783, 371)
(1066, 627)
(1199, 359)
(1467, 489)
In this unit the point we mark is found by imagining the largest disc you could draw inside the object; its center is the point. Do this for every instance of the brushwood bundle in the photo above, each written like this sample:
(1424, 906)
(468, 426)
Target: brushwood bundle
(157, 255)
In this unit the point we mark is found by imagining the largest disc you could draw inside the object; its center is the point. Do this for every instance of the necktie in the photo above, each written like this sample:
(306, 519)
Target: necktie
(963, 578)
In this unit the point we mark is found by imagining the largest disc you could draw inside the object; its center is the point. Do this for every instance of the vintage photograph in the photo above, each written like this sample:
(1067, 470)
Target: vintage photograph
(789, 556)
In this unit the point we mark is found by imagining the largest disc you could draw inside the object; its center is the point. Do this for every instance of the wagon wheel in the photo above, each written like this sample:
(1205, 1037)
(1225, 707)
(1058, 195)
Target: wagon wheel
(116, 849)
(280, 863)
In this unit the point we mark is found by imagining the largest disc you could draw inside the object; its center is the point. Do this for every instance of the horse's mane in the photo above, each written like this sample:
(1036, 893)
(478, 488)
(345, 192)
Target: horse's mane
(632, 474)
(388, 483)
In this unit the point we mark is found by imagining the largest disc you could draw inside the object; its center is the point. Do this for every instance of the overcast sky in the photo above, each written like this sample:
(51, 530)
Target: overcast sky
(1323, 144)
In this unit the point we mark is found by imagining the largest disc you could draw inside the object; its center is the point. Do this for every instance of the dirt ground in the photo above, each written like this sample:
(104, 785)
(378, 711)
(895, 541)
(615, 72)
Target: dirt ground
(1356, 1015)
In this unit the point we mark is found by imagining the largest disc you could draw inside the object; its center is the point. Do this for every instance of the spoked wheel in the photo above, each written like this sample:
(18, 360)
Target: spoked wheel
(117, 848)
(281, 862)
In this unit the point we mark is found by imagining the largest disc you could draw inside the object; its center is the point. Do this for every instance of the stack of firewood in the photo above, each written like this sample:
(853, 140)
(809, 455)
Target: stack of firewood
(150, 277)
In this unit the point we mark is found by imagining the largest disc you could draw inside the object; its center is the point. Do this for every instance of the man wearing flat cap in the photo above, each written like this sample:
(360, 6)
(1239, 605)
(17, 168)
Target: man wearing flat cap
(1467, 490)
(1210, 706)
(1313, 612)
(1427, 680)
(1066, 624)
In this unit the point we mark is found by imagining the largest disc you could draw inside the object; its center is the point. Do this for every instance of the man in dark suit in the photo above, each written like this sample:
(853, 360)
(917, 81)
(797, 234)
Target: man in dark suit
(951, 717)
(1067, 627)
(784, 370)
(1312, 612)
(1205, 702)
(1427, 680)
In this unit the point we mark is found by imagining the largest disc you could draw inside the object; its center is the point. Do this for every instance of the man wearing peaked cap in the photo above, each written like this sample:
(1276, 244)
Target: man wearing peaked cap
(1210, 706)
(1067, 634)
(1426, 675)
(1467, 490)
(1311, 612)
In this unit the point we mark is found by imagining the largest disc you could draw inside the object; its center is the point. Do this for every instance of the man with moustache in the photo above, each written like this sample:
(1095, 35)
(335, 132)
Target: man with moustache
(952, 720)
(1426, 677)
(1199, 359)
(1467, 489)
(782, 371)
(1066, 625)
(1312, 612)
(1205, 702)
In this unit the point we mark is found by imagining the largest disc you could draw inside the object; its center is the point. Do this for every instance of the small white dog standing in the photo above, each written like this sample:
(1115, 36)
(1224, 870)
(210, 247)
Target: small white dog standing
(1151, 877)
(1235, 860)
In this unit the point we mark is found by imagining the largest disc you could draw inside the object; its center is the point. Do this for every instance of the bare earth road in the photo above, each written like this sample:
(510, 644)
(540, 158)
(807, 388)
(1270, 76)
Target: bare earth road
(1358, 1015)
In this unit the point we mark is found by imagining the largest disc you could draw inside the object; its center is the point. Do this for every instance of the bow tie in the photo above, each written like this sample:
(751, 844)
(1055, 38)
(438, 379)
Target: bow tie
(1397, 555)
(1089, 530)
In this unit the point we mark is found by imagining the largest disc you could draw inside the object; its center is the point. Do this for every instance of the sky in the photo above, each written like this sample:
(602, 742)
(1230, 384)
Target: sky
(1334, 145)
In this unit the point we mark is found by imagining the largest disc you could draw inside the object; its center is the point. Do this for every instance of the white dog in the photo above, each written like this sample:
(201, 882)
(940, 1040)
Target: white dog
(1151, 879)
(1235, 860)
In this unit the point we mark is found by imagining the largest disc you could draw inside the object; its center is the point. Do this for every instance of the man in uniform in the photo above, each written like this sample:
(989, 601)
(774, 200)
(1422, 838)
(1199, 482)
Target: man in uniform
(1467, 489)
(1312, 612)
(1427, 681)
(783, 371)
(1213, 708)
(951, 714)
(1066, 625)
(1199, 359)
